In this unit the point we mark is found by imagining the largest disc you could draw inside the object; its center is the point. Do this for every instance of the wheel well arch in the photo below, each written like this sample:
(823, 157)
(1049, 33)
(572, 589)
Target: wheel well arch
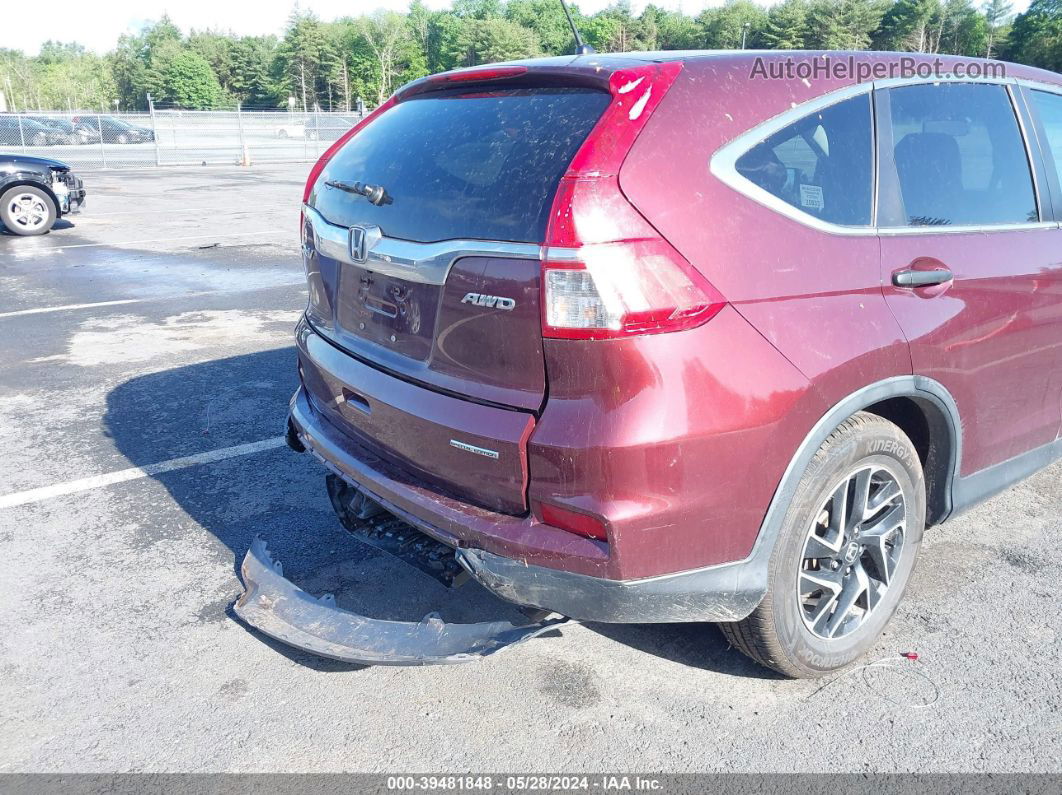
(33, 183)
(926, 412)
(927, 426)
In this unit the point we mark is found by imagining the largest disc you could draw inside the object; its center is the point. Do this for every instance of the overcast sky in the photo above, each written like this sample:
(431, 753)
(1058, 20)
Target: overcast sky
(98, 23)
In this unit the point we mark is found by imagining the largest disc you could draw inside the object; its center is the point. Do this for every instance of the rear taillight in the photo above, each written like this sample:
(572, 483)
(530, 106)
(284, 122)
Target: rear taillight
(619, 289)
(607, 271)
(579, 523)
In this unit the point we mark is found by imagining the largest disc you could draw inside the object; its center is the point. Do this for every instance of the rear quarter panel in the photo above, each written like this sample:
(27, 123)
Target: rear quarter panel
(816, 296)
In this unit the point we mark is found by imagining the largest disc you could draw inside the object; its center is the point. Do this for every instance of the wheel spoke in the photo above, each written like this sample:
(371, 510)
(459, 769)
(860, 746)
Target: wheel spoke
(817, 548)
(888, 492)
(820, 618)
(822, 580)
(875, 593)
(855, 585)
(886, 524)
(860, 499)
(881, 555)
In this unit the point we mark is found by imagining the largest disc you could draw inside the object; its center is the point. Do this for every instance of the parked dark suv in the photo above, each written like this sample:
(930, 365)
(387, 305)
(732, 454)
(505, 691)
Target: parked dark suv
(35, 192)
(647, 338)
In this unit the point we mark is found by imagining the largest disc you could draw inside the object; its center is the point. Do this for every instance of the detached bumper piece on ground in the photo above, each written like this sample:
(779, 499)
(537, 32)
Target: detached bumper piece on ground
(282, 610)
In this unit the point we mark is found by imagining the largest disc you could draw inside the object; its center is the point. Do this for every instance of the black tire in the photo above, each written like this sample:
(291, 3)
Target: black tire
(40, 139)
(122, 138)
(14, 226)
(778, 633)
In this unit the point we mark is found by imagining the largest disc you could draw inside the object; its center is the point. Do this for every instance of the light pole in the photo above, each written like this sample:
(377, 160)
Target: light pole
(744, 31)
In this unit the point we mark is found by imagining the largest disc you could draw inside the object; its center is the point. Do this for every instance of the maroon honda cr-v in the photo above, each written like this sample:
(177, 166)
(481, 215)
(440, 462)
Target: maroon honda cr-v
(651, 338)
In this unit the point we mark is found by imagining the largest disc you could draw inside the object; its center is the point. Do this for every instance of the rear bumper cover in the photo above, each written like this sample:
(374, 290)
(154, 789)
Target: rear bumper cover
(716, 593)
(282, 610)
(726, 592)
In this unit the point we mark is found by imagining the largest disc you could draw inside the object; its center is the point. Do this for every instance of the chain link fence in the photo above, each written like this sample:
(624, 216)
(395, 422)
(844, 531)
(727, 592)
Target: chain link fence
(90, 141)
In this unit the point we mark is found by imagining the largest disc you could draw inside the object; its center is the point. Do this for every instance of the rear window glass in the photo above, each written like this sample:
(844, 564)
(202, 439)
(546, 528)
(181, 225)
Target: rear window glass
(479, 166)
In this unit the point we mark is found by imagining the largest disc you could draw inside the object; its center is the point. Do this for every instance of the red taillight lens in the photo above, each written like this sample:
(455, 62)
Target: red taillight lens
(620, 289)
(579, 523)
(607, 271)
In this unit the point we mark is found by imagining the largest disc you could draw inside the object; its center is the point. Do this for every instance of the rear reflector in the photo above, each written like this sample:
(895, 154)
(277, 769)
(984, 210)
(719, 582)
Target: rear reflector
(578, 523)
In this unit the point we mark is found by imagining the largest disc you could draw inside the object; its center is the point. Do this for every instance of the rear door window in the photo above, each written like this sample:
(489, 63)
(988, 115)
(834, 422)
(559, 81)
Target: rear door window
(959, 157)
(1049, 108)
(479, 166)
(822, 165)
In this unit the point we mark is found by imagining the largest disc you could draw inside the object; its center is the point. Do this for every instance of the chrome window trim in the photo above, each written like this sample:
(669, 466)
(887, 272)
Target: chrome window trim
(896, 82)
(723, 163)
(423, 263)
(1026, 142)
(1047, 88)
(1035, 85)
(893, 231)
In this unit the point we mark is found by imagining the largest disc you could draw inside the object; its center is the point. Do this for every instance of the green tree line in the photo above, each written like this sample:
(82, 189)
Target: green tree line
(330, 65)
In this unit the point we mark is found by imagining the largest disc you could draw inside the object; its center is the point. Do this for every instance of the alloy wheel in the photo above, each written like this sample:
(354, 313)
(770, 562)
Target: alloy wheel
(851, 552)
(28, 211)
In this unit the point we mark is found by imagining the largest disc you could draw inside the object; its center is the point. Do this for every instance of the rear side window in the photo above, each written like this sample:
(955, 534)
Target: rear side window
(1049, 108)
(959, 157)
(479, 166)
(822, 164)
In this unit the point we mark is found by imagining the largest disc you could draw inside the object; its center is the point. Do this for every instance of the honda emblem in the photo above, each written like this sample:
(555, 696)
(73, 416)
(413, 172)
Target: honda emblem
(358, 248)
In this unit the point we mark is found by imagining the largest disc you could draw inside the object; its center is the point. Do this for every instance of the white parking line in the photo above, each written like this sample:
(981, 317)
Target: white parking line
(157, 239)
(44, 310)
(170, 210)
(134, 473)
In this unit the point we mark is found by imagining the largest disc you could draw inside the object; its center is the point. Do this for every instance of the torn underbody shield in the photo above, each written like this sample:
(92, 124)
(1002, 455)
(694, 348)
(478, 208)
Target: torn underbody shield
(282, 610)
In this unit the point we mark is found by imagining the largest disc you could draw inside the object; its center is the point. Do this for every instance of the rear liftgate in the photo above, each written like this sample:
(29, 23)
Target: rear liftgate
(588, 190)
(280, 609)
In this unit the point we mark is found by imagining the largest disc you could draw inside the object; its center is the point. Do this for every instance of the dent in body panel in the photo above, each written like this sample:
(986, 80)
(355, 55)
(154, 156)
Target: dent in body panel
(682, 452)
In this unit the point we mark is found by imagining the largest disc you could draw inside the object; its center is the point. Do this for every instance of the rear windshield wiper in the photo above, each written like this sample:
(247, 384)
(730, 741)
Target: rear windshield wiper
(376, 194)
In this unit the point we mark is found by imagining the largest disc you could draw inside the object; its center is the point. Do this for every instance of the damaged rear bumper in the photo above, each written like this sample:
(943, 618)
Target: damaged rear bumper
(727, 592)
(282, 610)
(724, 592)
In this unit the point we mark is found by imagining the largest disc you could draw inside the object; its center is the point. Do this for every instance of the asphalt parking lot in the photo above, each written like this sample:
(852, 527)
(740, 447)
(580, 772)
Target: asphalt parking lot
(148, 361)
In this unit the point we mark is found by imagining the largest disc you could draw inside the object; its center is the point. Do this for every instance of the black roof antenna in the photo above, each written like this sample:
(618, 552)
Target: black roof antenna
(580, 47)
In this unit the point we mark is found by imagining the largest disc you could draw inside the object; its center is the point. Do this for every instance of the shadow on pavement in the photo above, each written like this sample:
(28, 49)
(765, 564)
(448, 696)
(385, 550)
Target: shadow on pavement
(58, 226)
(280, 495)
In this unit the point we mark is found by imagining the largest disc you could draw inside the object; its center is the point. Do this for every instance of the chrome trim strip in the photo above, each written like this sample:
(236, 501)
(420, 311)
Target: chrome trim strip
(893, 82)
(1027, 145)
(723, 164)
(892, 231)
(556, 254)
(1035, 85)
(423, 263)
